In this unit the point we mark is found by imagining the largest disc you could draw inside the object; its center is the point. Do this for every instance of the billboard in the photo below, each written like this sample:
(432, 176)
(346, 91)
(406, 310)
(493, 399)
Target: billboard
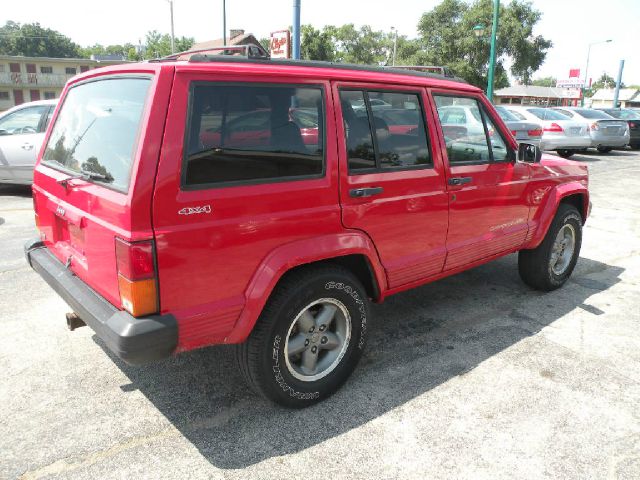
(570, 83)
(280, 44)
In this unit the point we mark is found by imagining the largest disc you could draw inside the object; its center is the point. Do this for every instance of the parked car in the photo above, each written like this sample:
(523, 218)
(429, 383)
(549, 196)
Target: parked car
(162, 244)
(523, 131)
(559, 132)
(606, 131)
(632, 118)
(21, 134)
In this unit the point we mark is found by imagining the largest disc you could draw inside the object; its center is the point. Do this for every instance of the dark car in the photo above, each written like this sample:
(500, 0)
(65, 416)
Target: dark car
(633, 119)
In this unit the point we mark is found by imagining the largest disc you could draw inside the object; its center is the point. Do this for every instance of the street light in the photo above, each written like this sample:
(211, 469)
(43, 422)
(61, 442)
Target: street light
(395, 45)
(586, 70)
(478, 31)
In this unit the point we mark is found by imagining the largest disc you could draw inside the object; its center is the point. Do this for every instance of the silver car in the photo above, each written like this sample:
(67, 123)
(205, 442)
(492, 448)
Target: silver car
(21, 135)
(559, 132)
(607, 132)
(523, 131)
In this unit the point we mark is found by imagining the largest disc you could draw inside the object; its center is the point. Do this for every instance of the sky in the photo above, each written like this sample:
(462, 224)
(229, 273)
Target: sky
(571, 24)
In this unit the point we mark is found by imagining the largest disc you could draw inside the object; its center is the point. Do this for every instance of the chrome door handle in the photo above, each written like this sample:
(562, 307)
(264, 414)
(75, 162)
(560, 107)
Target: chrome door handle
(459, 180)
(365, 192)
(27, 146)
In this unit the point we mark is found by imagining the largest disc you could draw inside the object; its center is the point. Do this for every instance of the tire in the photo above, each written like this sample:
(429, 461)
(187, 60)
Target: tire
(265, 358)
(635, 147)
(604, 149)
(565, 153)
(540, 268)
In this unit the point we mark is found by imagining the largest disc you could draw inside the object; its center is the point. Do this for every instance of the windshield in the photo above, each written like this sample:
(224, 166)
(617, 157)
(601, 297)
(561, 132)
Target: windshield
(95, 132)
(547, 114)
(505, 115)
(592, 114)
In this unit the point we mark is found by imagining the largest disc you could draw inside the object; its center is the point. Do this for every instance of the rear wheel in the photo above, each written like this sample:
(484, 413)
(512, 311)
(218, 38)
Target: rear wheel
(548, 266)
(604, 149)
(564, 153)
(308, 338)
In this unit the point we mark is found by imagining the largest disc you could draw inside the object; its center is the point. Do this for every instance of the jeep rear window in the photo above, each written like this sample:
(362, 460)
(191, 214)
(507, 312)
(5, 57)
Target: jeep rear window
(253, 133)
(96, 130)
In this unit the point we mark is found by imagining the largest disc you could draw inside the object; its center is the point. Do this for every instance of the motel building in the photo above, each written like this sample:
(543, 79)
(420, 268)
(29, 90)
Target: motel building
(26, 79)
(539, 96)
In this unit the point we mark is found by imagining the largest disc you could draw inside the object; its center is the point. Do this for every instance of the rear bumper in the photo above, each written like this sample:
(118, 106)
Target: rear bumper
(569, 143)
(613, 141)
(134, 340)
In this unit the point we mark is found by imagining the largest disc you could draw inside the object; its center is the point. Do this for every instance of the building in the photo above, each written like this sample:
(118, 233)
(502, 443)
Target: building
(534, 95)
(627, 98)
(236, 37)
(25, 79)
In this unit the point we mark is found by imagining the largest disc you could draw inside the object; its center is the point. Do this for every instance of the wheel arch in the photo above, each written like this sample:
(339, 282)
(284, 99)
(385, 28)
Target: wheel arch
(572, 193)
(353, 251)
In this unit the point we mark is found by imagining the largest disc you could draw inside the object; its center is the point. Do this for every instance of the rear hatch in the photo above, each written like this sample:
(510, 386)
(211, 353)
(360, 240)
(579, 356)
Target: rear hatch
(94, 178)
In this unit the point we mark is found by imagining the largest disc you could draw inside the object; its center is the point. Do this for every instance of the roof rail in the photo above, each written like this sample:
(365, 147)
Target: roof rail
(248, 51)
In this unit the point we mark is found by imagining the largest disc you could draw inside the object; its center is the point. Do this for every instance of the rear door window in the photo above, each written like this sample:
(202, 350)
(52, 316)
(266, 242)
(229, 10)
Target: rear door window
(384, 130)
(97, 128)
(253, 133)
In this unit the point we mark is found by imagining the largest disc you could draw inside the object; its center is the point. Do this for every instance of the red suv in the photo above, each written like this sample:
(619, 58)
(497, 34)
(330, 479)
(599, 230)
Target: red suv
(265, 203)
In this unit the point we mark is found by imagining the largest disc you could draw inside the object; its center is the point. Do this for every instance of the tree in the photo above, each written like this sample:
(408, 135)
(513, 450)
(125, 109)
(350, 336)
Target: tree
(447, 39)
(32, 40)
(605, 81)
(545, 82)
(159, 45)
(362, 45)
(316, 44)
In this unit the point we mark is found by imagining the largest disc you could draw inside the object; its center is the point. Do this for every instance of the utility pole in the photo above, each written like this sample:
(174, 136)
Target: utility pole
(618, 82)
(173, 41)
(296, 30)
(395, 46)
(224, 22)
(492, 54)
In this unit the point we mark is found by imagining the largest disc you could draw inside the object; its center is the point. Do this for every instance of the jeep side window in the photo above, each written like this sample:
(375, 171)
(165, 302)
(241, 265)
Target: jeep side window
(397, 123)
(251, 133)
(477, 140)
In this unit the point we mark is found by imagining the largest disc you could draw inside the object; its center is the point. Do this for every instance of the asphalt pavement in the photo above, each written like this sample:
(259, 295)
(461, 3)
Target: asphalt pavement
(475, 376)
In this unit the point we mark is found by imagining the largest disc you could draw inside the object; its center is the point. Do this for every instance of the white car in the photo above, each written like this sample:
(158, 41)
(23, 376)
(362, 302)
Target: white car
(21, 135)
(559, 132)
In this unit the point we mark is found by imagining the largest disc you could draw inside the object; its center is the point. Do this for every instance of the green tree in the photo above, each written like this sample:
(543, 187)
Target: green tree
(32, 40)
(159, 44)
(545, 82)
(605, 81)
(447, 39)
(362, 45)
(316, 44)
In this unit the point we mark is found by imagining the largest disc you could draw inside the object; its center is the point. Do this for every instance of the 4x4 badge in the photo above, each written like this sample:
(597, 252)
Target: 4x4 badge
(194, 210)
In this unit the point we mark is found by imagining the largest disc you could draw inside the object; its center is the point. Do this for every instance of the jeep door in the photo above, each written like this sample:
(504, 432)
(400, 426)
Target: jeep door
(487, 188)
(236, 180)
(391, 180)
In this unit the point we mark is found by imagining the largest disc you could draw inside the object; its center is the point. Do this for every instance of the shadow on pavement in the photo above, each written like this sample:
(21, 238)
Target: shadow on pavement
(419, 340)
(15, 190)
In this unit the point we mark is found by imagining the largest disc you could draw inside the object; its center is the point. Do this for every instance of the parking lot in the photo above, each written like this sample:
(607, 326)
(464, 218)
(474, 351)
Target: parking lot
(475, 376)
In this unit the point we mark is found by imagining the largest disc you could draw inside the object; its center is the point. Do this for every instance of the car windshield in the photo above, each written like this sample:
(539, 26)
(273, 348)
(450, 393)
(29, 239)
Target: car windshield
(592, 114)
(95, 132)
(547, 114)
(506, 115)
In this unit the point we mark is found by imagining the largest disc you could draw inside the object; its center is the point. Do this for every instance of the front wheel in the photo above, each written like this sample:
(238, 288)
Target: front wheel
(564, 153)
(548, 266)
(604, 149)
(309, 337)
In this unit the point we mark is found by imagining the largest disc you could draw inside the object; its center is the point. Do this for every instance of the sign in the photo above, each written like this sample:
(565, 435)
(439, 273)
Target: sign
(570, 83)
(280, 44)
(574, 73)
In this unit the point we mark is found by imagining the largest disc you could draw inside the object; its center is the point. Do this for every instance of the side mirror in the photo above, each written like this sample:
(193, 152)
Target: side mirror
(529, 153)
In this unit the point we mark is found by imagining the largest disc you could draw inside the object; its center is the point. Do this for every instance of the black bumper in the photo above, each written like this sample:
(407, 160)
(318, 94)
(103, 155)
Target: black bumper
(134, 340)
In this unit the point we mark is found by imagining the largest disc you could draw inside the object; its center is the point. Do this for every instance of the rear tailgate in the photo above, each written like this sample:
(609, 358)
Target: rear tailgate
(95, 174)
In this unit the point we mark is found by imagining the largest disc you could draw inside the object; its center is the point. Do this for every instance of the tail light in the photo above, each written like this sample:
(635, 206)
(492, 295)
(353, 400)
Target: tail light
(594, 126)
(535, 133)
(137, 277)
(633, 125)
(554, 127)
(513, 132)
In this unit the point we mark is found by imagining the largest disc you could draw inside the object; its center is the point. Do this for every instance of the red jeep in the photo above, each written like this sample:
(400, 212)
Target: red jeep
(183, 204)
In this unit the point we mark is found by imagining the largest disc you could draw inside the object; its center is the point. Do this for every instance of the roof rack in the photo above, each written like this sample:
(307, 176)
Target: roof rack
(250, 51)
